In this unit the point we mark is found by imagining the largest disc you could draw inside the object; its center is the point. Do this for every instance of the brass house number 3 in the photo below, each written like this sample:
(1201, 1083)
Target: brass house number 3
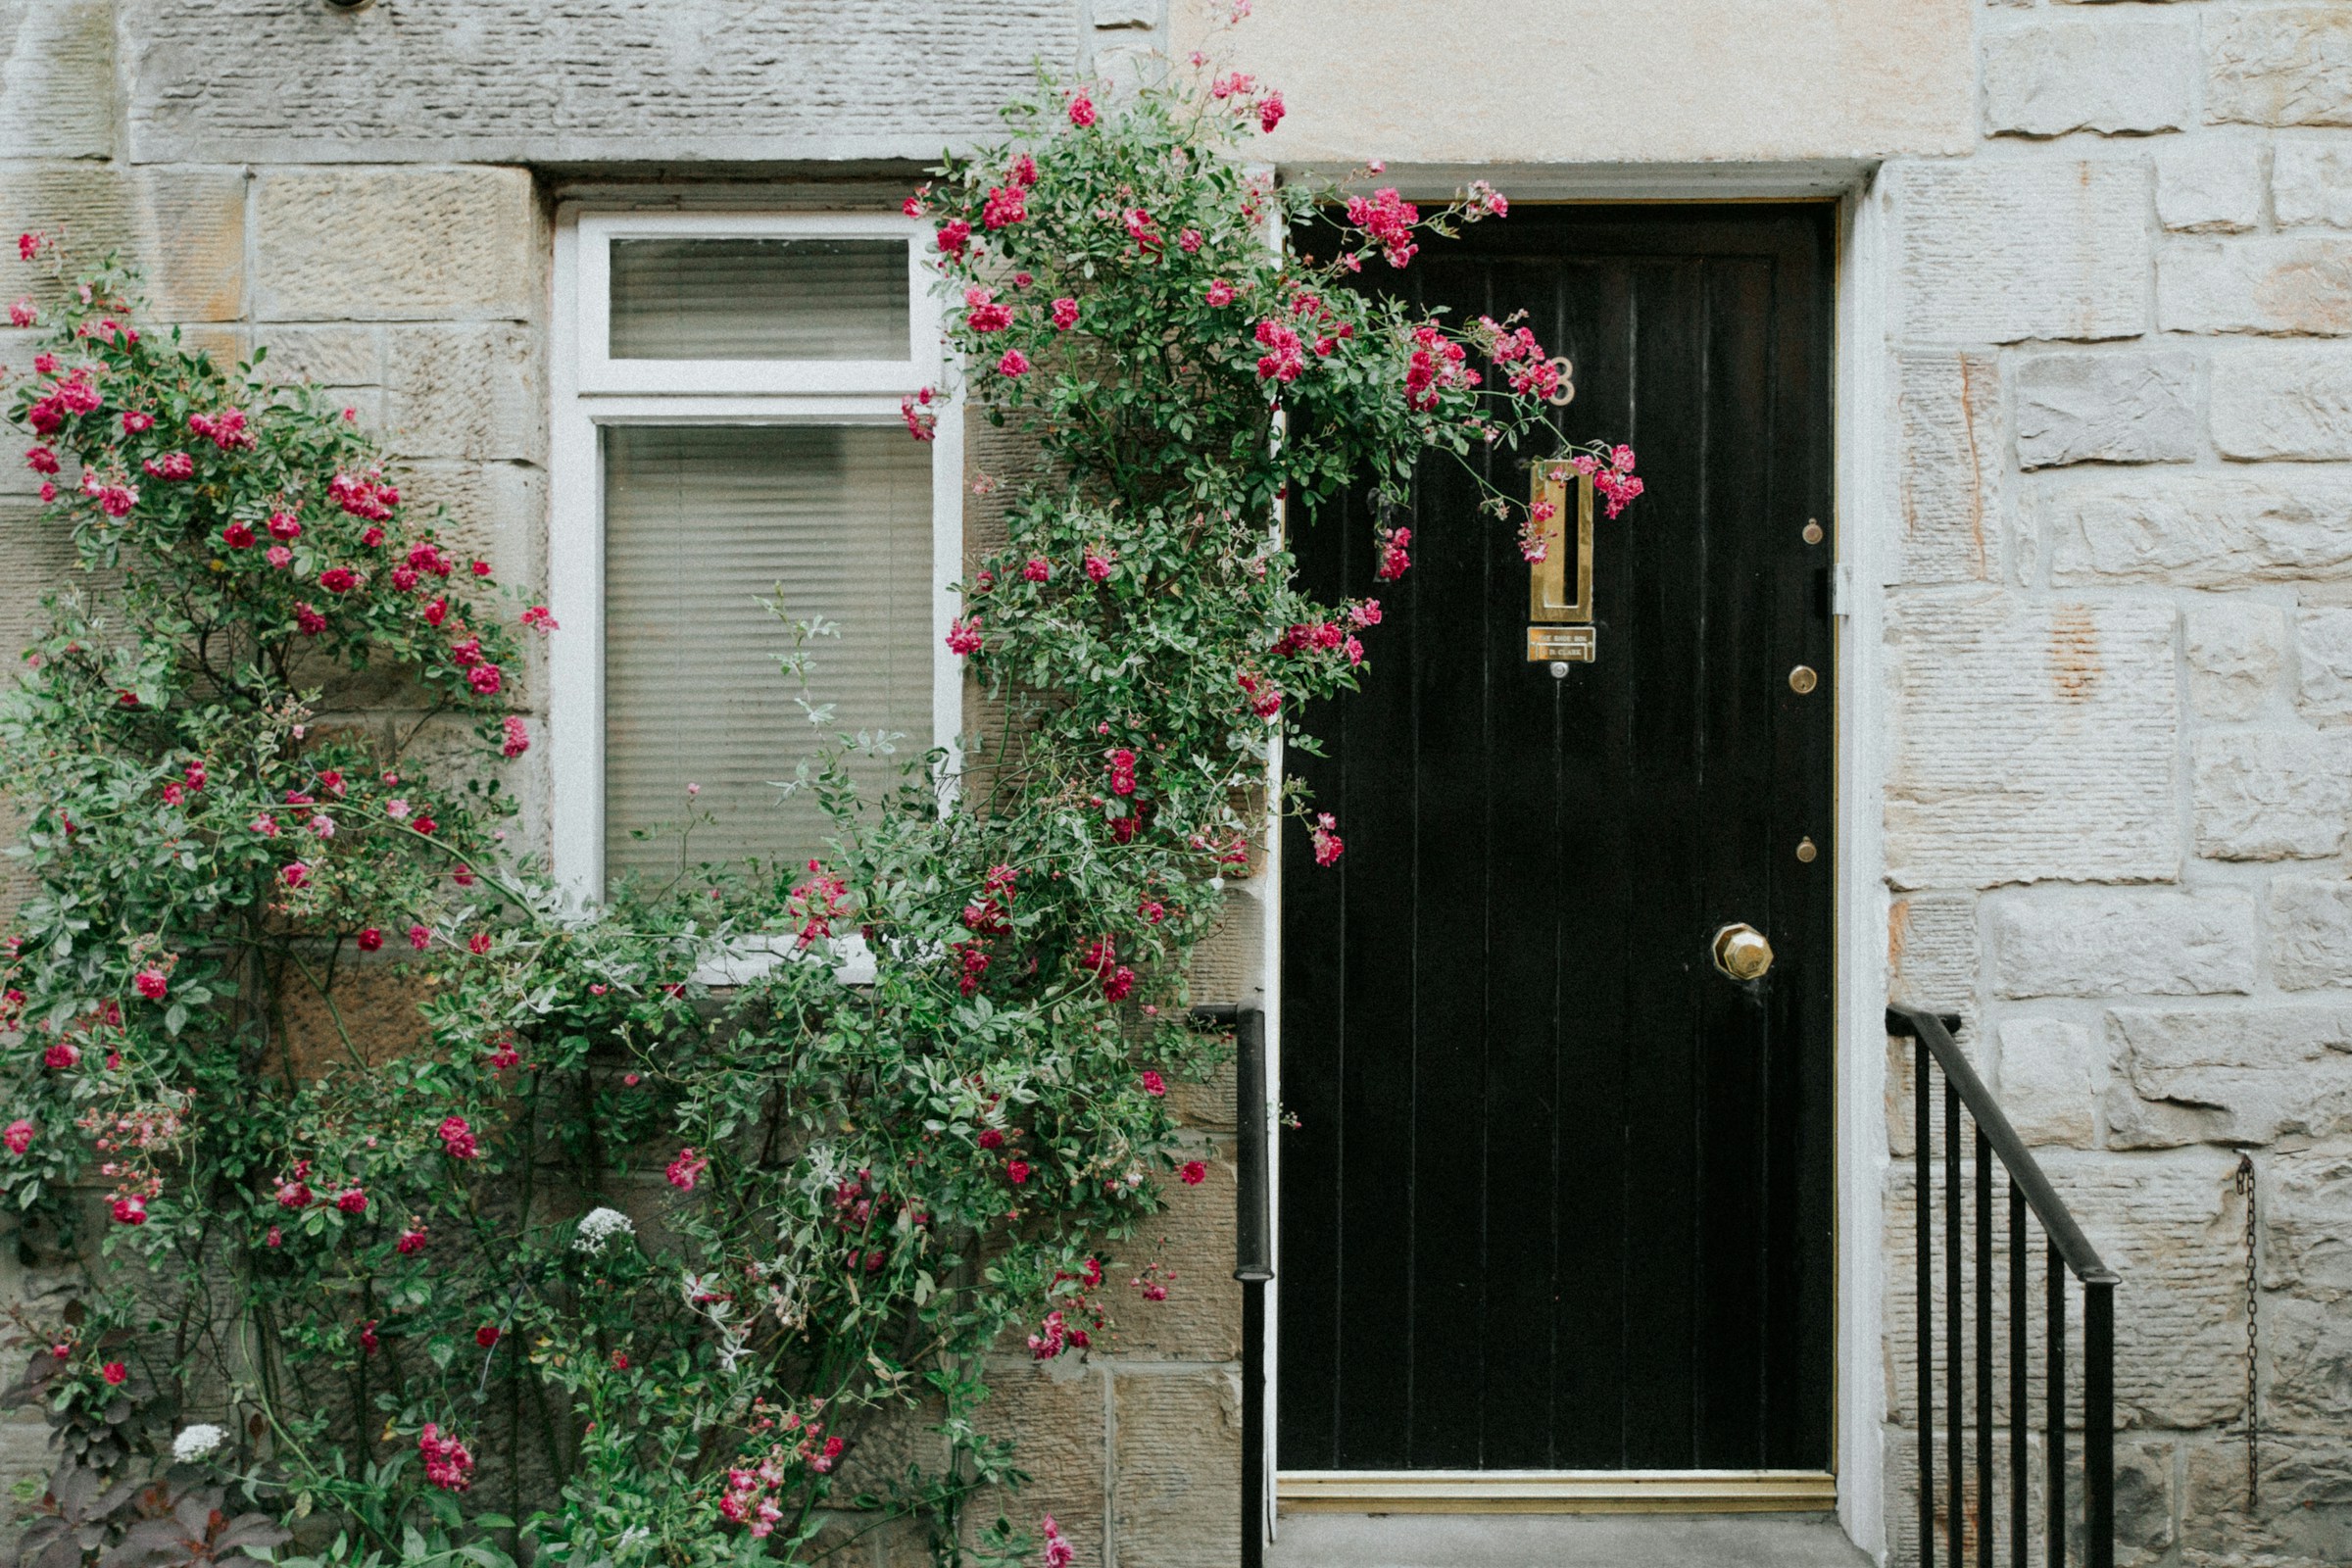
(1563, 632)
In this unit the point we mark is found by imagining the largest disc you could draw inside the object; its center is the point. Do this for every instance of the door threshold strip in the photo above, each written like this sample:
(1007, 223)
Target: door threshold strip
(1557, 1491)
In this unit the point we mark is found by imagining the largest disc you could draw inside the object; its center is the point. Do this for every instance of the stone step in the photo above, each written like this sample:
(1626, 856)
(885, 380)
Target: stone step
(1561, 1540)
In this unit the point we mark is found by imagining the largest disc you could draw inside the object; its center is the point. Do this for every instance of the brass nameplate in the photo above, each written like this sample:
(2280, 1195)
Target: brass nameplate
(1561, 645)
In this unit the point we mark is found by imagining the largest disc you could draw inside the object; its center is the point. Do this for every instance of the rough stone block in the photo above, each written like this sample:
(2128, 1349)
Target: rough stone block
(1178, 1476)
(328, 356)
(1126, 13)
(2272, 794)
(466, 392)
(2051, 77)
(2234, 649)
(2311, 183)
(2236, 1075)
(2209, 184)
(1229, 964)
(2199, 529)
(1999, 253)
(2050, 1079)
(2311, 932)
(184, 229)
(2119, 942)
(57, 78)
(2279, 66)
(2282, 400)
(2310, 1386)
(1949, 411)
(2106, 408)
(37, 555)
(517, 81)
(2304, 1514)
(2307, 1224)
(2324, 662)
(1932, 951)
(396, 244)
(2033, 741)
(2258, 283)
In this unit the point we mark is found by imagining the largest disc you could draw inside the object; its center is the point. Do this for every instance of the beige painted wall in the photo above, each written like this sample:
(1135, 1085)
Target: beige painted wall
(1654, 81)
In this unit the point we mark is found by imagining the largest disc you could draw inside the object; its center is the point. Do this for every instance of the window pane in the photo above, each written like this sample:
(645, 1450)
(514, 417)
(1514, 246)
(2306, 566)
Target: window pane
(760, 298)
(701, 524)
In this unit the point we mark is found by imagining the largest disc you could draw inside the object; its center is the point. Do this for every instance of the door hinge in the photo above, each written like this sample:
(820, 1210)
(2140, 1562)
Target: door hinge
(1841, 590)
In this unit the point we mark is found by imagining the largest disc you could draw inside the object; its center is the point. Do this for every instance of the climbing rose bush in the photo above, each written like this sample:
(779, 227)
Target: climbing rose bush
(428, 1215)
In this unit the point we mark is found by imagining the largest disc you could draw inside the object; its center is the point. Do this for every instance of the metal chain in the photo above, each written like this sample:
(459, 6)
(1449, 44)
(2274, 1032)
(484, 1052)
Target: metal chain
(2247, 1188)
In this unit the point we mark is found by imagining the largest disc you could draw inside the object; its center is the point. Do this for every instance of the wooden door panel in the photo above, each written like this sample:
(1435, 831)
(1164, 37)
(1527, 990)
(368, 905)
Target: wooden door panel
(1559, 1195)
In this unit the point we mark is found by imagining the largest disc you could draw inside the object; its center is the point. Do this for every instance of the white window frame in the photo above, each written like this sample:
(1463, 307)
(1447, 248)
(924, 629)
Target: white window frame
(591, 390)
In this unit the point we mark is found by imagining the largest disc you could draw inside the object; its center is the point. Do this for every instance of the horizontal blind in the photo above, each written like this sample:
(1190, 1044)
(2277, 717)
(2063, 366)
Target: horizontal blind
(760, 298)
(703, 522)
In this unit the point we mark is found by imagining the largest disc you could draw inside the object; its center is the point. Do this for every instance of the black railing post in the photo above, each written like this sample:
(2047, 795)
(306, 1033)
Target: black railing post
(2055, 1399)
(2018, 1260)
(1923, 1199)
(1985, 1530)
(2098, 1421)
(1956, 1315)
(1253, 1254)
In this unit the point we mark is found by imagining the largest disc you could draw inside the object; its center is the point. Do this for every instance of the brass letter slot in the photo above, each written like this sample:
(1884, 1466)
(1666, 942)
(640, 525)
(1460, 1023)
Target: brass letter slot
(1564, 630)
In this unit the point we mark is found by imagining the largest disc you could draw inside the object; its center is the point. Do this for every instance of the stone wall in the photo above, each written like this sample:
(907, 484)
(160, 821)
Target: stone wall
(2119, 777)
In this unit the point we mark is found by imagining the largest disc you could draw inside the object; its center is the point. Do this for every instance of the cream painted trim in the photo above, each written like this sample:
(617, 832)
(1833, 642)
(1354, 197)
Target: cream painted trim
(1557, 1491)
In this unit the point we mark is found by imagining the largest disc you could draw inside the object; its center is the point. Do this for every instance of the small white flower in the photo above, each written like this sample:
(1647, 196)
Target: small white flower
(599, 1226)
(195, 1441)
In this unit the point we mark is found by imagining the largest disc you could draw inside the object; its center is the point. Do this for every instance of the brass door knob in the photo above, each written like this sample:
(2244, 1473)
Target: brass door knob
(1741, 952)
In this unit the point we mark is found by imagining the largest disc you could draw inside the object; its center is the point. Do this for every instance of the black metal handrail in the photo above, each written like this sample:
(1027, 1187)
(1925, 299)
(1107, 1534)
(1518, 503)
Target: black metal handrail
(1252, 1253)
(2069, 1253)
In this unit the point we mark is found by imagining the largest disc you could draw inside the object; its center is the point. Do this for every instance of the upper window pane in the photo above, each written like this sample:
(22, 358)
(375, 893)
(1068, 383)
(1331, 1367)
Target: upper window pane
(760, 298)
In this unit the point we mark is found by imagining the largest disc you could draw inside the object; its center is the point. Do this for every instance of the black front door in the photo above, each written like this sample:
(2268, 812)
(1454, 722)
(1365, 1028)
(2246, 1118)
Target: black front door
(1558, 1194)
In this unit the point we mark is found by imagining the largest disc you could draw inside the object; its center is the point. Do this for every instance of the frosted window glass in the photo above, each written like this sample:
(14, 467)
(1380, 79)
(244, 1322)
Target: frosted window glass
(700, 525)
(760, 298)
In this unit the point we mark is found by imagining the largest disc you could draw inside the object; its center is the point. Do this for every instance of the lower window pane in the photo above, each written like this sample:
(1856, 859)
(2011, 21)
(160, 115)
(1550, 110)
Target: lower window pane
(701, 524)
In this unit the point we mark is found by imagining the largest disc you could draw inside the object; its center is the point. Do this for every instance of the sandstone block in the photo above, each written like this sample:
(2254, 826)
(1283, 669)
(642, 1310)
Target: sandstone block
(2258, 283)
(1126, 13)
(1229, 964)
(184, 229)
(512, 81)
(2172, 1227)
(1949, 411)
(1178, 1468)
(2002, 253)
(2311, 183)
(2079, 74)
(2050, 1078)
(1191, 1242)
(2209, 184)
(2033, 741)
(37, 556)
(2307, 1224)
(2239, 1075)
(2282, 400)
(329, 355)
(2121, 942)
(2324, 650)
(2201, 530)
(2311, 932)
(395, 244)
(1057, 1413)
(495, 510)
(57, 78)
(2106, 408)
(2272, 794)
(1932, 951)
(2279, 66)
(472, 392)
(2235, 649)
